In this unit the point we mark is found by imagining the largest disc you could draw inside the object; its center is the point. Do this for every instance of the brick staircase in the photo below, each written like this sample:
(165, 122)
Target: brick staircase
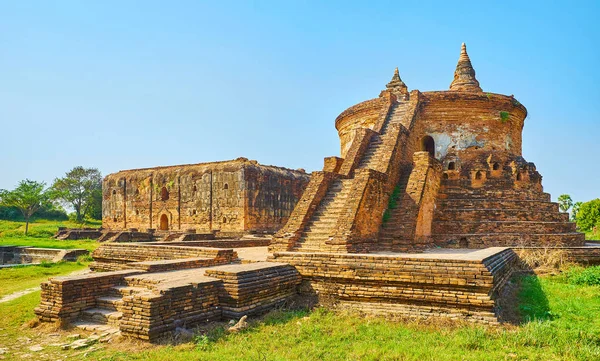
(109, 308)
(399, 225)
(324, 220)
(322, 224)
(477, 218)
(376, 149)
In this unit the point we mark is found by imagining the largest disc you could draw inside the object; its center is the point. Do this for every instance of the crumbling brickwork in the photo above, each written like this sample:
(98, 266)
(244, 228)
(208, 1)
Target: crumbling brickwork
(230, 197)
(447, 164)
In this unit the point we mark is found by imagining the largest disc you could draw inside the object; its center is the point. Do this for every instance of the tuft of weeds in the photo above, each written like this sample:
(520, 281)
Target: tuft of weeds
(504, 116)
(584, 276)
(542, 259)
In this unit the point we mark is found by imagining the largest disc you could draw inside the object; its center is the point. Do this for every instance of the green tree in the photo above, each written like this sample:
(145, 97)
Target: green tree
(565, 202)
(79, 189)
(575, 210)
(588, 215)
(28, 197)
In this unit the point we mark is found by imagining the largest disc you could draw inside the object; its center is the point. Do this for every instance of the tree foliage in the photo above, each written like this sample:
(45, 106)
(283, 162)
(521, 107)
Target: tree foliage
(588, 215)
(81, 189)
(28, 198)
(575, 210)
(565, 202)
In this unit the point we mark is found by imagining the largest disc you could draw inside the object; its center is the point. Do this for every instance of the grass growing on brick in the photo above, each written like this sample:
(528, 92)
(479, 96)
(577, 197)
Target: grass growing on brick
(20, 278)
(562, 323)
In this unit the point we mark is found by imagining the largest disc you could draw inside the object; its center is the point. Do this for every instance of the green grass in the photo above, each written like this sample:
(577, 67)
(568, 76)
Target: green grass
(504, 116)
(19, 278)
(584, 276)
(40, 235)
(562, 322)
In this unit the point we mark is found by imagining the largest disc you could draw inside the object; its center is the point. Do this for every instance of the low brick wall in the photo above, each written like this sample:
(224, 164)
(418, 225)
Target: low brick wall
(25, 255)
(466, 285)
(77, 233)
(233, 243)
(173, 264)
(114, 256)
(148, 316)
(63, 298)
(254, 288)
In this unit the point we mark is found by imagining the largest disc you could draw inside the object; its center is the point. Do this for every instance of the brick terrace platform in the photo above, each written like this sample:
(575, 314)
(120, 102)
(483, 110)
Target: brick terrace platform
(442, 282)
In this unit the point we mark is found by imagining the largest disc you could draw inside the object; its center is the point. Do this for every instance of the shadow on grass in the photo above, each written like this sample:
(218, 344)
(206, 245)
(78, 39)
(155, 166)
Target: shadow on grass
(533, 304)
(524, 301)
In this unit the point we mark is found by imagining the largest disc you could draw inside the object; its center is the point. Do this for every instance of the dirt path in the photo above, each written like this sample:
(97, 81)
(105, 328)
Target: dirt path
(18, 294)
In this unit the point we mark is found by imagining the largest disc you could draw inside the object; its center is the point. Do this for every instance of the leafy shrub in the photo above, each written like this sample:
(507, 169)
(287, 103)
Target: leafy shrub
(584, 276)
(46, 264)
(588, 215)
(504, 116)
(85, 258)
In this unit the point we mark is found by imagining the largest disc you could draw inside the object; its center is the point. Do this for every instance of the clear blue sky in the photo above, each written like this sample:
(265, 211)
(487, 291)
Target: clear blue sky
(127, 84)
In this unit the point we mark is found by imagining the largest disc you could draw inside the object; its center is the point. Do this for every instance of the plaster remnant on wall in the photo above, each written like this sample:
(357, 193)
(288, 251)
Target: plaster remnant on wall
(508, 142)
(459, 139)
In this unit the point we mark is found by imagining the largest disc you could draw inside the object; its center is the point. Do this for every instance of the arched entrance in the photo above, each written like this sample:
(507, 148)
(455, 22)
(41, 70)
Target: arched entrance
(428, 145)
(164, 223)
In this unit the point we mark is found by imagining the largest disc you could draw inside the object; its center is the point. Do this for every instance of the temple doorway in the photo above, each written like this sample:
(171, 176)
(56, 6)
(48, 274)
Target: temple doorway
(164, 223)
(428, 145)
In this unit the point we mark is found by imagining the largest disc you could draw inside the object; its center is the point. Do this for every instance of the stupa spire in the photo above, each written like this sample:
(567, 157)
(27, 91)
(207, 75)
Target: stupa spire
(464, 75)
(397, 86)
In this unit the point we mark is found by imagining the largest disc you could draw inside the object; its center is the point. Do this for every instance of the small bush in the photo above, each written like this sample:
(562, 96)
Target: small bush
(85, 258)
(46, 264)
(504, 116)
(584, 276)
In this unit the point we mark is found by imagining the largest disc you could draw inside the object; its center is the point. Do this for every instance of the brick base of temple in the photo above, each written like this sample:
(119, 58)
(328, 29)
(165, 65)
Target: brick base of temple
(148, 290)
(455, 285)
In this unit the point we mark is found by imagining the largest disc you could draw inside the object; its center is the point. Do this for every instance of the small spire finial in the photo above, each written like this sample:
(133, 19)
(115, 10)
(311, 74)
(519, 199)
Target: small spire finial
(464, 75)
(397, 86)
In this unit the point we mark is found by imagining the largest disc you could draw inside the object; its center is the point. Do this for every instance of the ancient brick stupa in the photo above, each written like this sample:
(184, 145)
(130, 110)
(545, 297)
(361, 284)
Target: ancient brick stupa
(422, 169)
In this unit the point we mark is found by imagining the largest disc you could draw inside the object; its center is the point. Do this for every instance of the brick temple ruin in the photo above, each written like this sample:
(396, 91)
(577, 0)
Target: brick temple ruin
(420, 216)
(195, 202)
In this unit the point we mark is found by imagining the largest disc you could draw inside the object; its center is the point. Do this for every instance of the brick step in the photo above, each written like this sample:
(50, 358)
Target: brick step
(109, 302)
(487, 214)
(94, 326)
(323, 220)
(467, 203)
(482, 240)
(320, 229)
(337, 202)
(458, 227)
(322, 233)
(102, 315)
(120, 291)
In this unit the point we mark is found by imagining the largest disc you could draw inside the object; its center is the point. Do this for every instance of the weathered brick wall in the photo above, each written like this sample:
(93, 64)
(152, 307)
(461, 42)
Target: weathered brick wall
(148, 307)
(63, 298)
(114, 256)
(227, 197)
(253, 288)
(461, 121)
(149, 316)
(466, 286)
(363, 115)
(495, 198)
(270, 195)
